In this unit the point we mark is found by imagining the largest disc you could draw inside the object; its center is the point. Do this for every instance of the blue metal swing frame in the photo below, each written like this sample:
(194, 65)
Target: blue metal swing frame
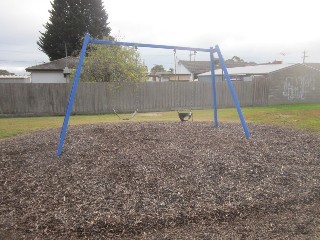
(210, 50)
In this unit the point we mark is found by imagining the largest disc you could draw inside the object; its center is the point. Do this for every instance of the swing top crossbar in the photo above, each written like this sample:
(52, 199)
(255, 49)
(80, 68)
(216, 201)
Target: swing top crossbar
(131, 44)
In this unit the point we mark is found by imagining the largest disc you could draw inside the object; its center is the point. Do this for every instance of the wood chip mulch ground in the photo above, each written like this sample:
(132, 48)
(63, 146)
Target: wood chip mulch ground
(161, 181)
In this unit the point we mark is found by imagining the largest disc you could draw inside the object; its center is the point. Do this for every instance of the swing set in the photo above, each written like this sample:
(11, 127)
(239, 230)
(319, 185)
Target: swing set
(211, 52)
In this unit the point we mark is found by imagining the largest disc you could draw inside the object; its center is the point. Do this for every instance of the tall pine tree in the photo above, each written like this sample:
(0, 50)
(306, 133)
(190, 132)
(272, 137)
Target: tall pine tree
(68, 22)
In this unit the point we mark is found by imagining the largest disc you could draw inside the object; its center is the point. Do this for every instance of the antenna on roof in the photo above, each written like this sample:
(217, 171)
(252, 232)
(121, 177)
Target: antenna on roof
(192, 54)
(304, 56)
(175, 63)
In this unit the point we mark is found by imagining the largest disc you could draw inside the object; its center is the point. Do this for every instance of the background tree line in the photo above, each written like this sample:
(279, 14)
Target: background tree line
(68, 23)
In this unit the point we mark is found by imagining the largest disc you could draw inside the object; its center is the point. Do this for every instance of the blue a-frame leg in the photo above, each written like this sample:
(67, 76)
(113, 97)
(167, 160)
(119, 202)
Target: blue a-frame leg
(233, 92)
(73, 94)
(211, 51)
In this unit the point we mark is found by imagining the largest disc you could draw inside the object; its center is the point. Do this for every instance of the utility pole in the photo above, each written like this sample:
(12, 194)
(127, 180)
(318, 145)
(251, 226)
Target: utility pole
(192, 54)
(175, 63)
(304, 56)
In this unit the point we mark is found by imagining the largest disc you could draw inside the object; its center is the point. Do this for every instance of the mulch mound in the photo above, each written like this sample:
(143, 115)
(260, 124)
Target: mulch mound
(161, 181)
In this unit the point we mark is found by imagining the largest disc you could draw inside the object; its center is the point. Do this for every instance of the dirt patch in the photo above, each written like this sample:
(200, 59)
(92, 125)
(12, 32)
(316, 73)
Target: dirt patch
(161, 181)
(149, 114)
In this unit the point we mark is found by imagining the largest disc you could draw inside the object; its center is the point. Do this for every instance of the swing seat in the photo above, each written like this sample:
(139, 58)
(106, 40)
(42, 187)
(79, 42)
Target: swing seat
(184, 116)
(128, 118)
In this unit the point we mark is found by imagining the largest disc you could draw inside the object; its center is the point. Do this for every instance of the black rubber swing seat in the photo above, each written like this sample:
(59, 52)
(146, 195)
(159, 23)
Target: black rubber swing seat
(184, 116)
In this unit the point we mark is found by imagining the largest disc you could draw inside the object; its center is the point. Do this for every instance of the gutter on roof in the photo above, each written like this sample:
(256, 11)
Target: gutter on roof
(44, 70)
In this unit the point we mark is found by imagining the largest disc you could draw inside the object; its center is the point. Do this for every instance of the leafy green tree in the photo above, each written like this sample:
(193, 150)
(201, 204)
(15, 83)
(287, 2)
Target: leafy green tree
(68, 22)
(157, 68)
(237, 59)
(107, 63)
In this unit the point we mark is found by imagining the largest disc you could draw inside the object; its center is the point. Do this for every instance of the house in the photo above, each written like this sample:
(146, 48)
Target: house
(53, 72)
(7, 77)
(5, 72)
(168, 76)
(194, 68)
(247, 73)
(14, 79)
(279, 83)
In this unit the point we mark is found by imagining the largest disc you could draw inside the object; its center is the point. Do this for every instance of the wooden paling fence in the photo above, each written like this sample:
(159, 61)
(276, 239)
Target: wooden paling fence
(96, 98)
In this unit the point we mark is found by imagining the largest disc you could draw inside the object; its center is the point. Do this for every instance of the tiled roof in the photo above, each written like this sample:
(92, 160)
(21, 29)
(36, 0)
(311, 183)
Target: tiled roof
(236, 64)
(257, 69)
(5, 72)
(59, 64)
(170, 74)
(198, 67)
(313, 65)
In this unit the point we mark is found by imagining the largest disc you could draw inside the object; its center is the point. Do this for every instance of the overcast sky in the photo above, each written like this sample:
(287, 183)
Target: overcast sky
(255, 30)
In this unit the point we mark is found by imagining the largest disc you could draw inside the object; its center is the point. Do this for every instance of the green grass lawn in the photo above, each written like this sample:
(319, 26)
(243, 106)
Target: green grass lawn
(303, 116)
